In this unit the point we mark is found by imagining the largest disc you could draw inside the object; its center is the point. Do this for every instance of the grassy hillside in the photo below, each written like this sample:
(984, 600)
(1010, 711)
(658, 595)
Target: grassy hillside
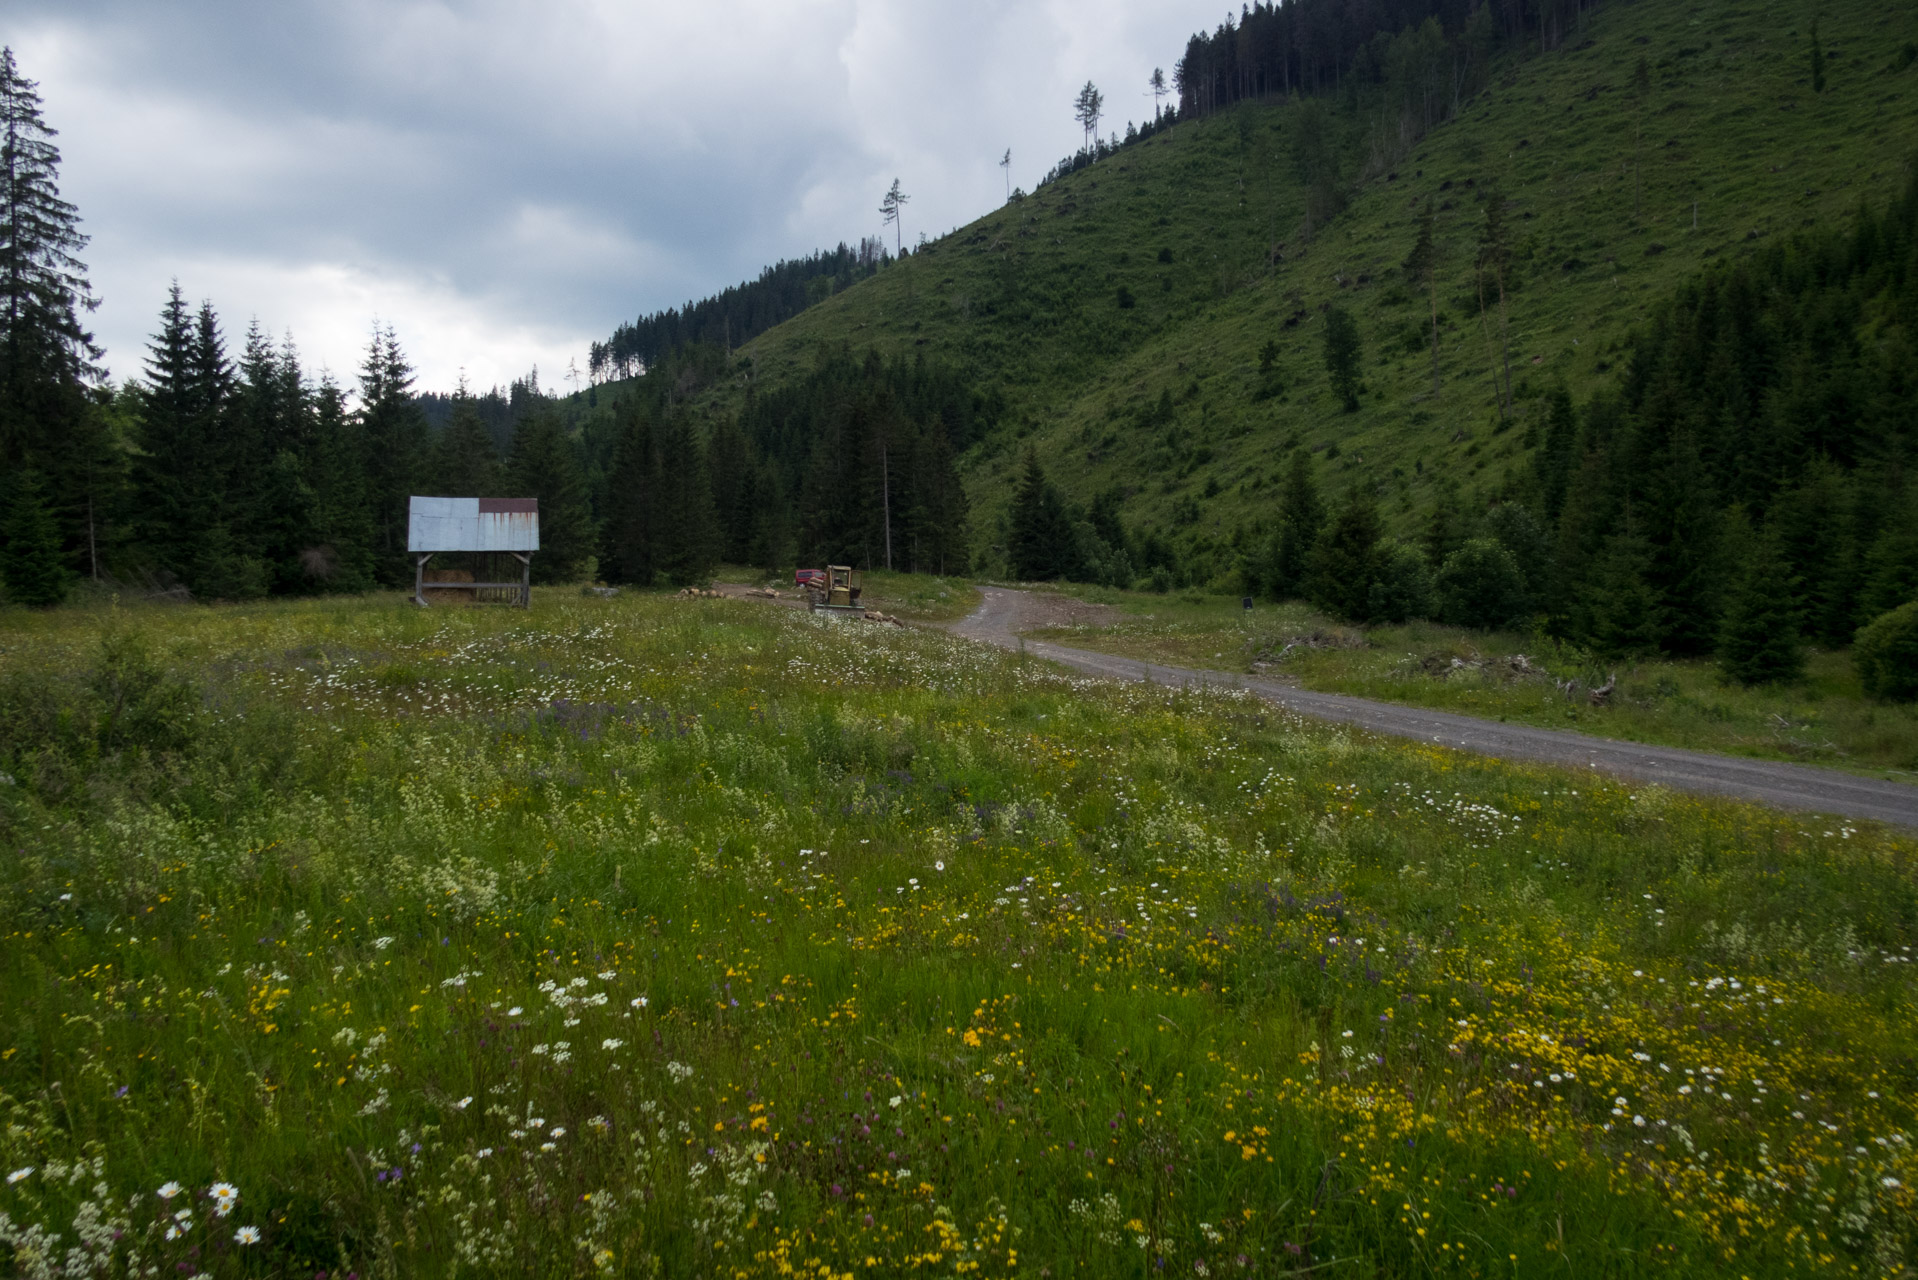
(1614, 198)
(701, 938)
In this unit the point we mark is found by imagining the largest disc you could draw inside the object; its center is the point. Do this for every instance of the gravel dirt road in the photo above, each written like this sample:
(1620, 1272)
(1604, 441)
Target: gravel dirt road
(1003, 614)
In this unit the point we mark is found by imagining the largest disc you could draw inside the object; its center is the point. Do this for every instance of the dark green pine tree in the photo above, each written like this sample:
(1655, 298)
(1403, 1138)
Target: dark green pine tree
(934, 515)
(1343, 356)
(184, 475)
(1345, 559)
(1589, 516)
(1042, 546)
(48, 361)
(270, 435)
(1559, 458)
(1812, 524)
(1625, 611)
(734, 476)
(1683, 524)
(224, 563)
(393, 432)
(171, 463)
(342, 556)
(1758, 637)
(769, 530)
(1446, 526)
(629, 551)
(465, 463)
(688, 537)
(1891, 566)
(1301, 517)
(1104, 517)
(33, 565)
(544, 466)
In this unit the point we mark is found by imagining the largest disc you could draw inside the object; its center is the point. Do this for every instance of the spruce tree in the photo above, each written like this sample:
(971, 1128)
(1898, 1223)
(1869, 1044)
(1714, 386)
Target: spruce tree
(1555, 462)
(1683, 523)
(628, 542)
(1301, 516)
(342, 557)
(465, 463)
(1758, 636)
(393, 431)
(1446, 525)
(544, 466)
(47, 358)
(1891, 566)
(934, 504)
(1042, 546)
(1345, 561)
(688, 536)
(1342, 356)
(1627, 618)
(1813, 525)
(183, 472)
(270, 493)
(769, 529)
(224, 562)
(734, 479)
(33, 566)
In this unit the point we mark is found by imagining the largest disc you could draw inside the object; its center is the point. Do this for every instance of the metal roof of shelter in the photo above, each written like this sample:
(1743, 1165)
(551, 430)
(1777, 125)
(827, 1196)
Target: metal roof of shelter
(473, 524)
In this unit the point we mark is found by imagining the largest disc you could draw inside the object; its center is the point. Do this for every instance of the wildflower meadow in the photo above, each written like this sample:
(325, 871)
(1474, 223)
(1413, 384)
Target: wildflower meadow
(704, 938)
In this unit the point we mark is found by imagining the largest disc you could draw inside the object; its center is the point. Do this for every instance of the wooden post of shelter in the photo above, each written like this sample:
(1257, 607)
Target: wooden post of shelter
(486, 526)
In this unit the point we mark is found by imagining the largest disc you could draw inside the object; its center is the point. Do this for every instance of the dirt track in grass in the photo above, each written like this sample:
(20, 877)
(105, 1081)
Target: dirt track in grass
(1004, 615)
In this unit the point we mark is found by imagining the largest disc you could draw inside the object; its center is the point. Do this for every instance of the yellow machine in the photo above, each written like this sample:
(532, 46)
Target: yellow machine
(839, 593)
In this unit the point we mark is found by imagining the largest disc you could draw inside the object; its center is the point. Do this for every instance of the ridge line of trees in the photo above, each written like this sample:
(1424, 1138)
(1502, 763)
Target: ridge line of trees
(738, 314)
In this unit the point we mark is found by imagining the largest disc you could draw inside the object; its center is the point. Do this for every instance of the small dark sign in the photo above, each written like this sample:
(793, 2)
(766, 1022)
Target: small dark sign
(1245, 602)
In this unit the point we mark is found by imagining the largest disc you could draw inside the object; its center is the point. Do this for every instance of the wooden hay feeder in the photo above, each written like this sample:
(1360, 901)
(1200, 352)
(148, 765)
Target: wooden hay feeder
(493, 532)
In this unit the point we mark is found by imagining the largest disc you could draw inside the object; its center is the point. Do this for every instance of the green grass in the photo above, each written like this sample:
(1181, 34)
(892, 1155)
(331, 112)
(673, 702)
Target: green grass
(918, 597)
(1026, 296)
(653, 936)
(1823, 719)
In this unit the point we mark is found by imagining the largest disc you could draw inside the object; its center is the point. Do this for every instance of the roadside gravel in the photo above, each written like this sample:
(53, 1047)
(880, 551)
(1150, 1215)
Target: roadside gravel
(1003, 614)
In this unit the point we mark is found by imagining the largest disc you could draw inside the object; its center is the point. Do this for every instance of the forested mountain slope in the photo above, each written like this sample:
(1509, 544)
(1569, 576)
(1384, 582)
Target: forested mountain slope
(1154, 322)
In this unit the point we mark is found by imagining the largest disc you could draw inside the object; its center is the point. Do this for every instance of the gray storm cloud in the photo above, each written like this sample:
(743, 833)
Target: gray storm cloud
(503, 183)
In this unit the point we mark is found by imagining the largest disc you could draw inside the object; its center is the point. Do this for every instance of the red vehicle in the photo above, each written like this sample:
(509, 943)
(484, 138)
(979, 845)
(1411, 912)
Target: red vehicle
(809, 577)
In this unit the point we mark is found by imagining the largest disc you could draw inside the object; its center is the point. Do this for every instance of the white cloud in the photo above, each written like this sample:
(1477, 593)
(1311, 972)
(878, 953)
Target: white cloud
(505, 182)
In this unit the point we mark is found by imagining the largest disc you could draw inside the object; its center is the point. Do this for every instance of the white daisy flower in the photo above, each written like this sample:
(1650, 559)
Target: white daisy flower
(247, 1235)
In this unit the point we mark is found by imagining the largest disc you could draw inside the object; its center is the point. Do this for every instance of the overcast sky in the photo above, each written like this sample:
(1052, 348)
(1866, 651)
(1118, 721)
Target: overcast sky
(505, 182)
